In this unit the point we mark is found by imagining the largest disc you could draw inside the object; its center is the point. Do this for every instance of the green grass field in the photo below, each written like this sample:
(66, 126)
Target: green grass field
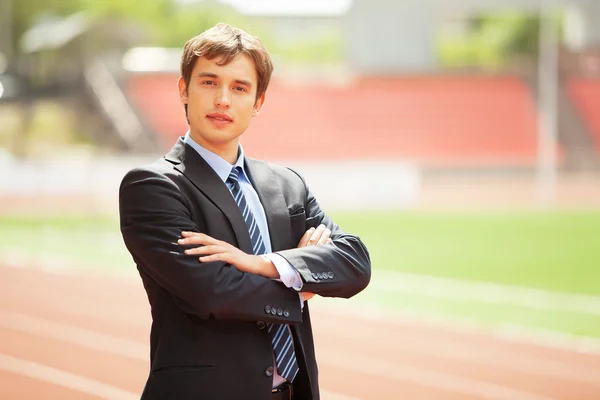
(548, 250)
(552, 251)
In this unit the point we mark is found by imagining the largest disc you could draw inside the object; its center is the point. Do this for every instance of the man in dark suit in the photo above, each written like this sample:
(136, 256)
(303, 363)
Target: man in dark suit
(230, 248)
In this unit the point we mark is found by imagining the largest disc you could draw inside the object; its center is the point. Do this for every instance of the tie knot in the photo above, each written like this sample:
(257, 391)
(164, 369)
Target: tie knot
(234, 175)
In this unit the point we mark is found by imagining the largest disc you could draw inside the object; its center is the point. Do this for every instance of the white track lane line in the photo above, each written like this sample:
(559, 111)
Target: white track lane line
(479, 355)
(88, 339)
(138, 351)
(507, 332)
(75, 335)
(420, 284)
(64, 379)
(484, 292)
(384, 280)
(510, 335)
(425, 377)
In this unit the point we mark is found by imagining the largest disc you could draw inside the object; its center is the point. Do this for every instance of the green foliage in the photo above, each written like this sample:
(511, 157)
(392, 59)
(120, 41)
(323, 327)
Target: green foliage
(188, 22)
(492, 41)
(319, 49)
(168, 23)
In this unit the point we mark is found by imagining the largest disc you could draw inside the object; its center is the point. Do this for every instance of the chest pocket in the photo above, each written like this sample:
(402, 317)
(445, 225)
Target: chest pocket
(298, 224)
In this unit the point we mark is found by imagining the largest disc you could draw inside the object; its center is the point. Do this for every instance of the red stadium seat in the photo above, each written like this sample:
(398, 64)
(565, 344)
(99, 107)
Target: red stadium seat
(443, 120)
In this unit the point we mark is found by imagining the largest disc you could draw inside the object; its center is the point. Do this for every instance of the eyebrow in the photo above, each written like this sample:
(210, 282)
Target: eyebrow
(212, 75)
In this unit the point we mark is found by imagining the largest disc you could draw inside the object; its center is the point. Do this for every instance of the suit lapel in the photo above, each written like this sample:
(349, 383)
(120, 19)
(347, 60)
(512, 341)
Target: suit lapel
(271, 197)
(187, 161)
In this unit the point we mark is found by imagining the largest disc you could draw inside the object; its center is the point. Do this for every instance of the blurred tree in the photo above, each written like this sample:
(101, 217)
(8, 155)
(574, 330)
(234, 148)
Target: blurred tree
(167, 22)
(492, 41)
(187, 21)
(511, 35)
(170, 23)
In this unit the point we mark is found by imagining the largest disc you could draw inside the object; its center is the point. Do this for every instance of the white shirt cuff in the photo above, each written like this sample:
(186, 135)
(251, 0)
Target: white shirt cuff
(287, 274)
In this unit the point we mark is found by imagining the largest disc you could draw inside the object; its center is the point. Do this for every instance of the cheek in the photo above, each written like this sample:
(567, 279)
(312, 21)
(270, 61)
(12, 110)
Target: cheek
(197, 104)
(245, 109)
(244, 119)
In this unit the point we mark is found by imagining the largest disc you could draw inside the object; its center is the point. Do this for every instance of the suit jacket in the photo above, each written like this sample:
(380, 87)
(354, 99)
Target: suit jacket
(208, 338)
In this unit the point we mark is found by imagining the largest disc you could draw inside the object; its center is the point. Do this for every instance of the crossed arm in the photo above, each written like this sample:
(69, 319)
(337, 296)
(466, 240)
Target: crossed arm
(154, 212)
(211, 249)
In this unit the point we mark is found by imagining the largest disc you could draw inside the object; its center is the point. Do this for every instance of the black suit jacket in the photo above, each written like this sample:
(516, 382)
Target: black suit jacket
(208, 338)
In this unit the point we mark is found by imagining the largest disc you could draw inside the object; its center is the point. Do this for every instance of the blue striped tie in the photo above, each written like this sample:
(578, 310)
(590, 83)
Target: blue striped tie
(281, 335)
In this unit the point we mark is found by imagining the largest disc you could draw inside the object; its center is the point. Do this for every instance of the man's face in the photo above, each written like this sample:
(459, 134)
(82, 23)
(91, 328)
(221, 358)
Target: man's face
(221, 101)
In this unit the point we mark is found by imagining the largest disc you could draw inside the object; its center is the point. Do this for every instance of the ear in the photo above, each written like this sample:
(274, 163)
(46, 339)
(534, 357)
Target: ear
(183, 95)
(258, 105)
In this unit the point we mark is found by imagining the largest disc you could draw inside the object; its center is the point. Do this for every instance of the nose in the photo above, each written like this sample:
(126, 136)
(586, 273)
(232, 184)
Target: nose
(222, 98)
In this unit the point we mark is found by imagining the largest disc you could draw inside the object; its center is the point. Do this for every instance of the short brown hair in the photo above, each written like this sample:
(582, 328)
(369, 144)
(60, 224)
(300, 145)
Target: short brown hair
(226, 41)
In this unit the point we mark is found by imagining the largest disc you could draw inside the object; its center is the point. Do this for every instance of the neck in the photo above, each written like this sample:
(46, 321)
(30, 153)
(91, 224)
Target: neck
(228, 151)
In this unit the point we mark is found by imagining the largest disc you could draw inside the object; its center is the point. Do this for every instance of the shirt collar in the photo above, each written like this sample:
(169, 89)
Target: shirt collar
(216, 162)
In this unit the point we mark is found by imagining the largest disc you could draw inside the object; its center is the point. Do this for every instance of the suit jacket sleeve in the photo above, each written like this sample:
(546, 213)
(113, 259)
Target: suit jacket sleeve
(153, 214)
(340, 269)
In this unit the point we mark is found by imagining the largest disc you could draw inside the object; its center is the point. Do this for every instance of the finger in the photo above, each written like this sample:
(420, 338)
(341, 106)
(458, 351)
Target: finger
(193, 240)
(324, 237)
(215, 257)
(304, 240)
(198, 238)
(316, 235)
(205, 250)
(329, 241)
(307, 295)
(190, 233)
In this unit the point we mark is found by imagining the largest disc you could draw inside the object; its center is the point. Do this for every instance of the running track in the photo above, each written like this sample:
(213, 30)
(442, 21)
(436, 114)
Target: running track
(66, 336)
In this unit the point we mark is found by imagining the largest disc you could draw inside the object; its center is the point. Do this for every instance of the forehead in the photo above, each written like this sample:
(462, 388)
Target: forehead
(241, 67)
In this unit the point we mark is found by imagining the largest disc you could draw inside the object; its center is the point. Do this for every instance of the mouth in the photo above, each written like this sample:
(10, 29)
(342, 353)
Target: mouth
(222, 118)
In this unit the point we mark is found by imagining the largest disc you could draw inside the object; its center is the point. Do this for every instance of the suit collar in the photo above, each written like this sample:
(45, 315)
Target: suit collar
(177, 153)
(187, 161)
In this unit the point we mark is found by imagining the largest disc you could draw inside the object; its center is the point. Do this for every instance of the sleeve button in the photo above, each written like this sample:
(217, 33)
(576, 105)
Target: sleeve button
(268, 309)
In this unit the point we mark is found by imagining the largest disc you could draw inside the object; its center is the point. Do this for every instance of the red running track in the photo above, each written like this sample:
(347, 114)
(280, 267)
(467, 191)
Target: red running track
(72, 336)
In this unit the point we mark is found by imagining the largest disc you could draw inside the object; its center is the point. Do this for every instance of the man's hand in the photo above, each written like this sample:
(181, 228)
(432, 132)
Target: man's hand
(307, 295)
(212, 249)
(316, 237)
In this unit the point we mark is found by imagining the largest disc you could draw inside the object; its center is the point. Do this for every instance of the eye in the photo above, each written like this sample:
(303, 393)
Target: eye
(208, 82)
(240, 89)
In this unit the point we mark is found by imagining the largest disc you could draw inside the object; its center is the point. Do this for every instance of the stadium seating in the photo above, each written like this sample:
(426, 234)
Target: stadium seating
(156, 98)
(444, 120)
